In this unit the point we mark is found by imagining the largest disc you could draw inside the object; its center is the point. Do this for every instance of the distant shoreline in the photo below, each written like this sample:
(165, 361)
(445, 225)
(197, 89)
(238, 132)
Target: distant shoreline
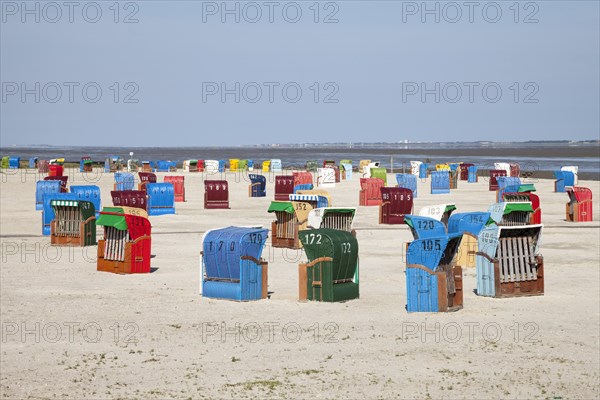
(542, 160)
(449, 149)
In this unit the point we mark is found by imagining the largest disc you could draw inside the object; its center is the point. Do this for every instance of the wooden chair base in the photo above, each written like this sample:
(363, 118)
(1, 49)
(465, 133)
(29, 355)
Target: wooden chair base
(74, 241)
(449, 289)
(129, 265)
(66, 241)
(520, 288)
(285, 243)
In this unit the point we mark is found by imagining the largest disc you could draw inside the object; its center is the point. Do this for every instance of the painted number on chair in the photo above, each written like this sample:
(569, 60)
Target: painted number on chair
(255, 238)
(476, 219)
(346, 246)
(429, 245)
(425, 225)
(311, 238)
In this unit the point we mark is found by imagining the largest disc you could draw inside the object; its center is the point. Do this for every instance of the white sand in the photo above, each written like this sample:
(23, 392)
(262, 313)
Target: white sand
(368, 353)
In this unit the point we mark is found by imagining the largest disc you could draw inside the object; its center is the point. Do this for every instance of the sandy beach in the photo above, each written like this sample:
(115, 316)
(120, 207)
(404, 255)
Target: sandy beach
(69, 331)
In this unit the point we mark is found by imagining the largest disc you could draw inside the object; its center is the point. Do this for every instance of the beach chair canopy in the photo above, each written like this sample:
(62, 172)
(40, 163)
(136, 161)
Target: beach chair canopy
(513, 213)
(124, 181)
(339, 218)
(223, 250)
(574, 169)
(433, 252)
(424, 227)
(88, 193)
(44, 187)
(469, 222)
(408, 181)
(121, 218)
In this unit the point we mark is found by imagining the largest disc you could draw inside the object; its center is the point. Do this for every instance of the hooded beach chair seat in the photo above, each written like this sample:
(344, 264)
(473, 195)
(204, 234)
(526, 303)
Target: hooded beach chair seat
(370, 191)
(161, 198)
(48, 211)
(424, 227)
(85, 165)
(290, 218)
(89, 193)
(74, 223)
(493, 182)
(126, 244)
(43, 166)
(579, 207)
(574, 169)
(506, 183)
(473, 174)
(44, 187)
(326, 177)
(464, 171)
(63, 182)
(433, 280)
(366, 170)
(396, 202)
(145, 178)
(165, 166)
(14, 162)
(440, 182)
(232, 267)
(113, 164)
(302, 178)
(276, 166)
(124, 181)
(380, 173)
(415, 167)
(211, 166)
(55, 170)
(266, 166)
(130, 198)
(423, 171)
(258, 186)
(331, 273)
(564, 179)
(510, 196)
(178, 183)
(284, 186)
(362, 165)
(147, 166)
(408, 181)
(346, 171)
(216, 194)
(33, 162)
(508, 261)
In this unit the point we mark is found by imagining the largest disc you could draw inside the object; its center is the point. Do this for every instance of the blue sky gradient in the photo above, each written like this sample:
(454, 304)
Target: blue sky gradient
(367, 58)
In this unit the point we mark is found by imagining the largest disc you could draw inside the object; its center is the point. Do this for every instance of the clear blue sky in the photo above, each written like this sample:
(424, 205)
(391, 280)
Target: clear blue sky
(375, 61)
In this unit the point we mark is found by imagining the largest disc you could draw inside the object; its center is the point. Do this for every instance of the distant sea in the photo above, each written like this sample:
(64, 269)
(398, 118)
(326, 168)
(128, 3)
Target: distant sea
(540, 158)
